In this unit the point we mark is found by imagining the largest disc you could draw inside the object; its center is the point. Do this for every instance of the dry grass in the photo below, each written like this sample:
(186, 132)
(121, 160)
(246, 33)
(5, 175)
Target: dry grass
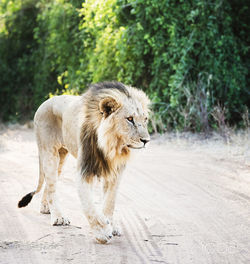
(235, 149)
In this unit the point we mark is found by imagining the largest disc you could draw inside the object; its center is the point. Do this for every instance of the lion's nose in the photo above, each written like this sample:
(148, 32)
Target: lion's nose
(144, 140)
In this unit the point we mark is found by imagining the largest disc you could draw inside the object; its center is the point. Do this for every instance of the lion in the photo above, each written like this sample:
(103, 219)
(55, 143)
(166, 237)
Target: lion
(99, 128)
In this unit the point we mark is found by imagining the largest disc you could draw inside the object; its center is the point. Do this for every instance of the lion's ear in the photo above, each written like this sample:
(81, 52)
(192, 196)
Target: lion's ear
(108, 106)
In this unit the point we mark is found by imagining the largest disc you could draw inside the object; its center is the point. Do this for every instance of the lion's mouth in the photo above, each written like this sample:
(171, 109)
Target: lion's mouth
(133, 147)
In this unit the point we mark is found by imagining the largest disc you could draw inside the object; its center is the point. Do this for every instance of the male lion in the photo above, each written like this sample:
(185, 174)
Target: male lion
(98, 128)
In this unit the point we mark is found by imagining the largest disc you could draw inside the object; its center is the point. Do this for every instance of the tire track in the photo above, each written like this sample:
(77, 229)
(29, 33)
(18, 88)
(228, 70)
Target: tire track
(131, 236)
(150, 244)
(145, 246)
(153, 244)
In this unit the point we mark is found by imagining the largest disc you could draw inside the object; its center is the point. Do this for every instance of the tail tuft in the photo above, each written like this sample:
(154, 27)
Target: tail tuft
(26, 199)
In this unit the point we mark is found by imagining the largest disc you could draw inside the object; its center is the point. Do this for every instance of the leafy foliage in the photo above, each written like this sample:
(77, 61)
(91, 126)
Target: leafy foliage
(189, 56)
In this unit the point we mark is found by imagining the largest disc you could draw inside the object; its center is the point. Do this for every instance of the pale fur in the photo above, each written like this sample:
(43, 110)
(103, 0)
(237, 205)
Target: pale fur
(59, 129)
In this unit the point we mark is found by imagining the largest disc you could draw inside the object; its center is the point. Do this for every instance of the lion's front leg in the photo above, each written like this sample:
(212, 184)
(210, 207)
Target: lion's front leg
(99, 223)
(110, 191)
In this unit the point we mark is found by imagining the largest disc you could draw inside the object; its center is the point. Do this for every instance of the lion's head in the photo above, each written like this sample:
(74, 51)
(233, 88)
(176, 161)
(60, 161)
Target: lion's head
(124, 121)
(117, 115)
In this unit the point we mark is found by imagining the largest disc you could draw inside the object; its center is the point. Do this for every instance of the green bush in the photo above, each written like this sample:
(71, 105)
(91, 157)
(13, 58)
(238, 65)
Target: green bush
(183, 53)
(16, 58)
(40, 44)
(189, 56)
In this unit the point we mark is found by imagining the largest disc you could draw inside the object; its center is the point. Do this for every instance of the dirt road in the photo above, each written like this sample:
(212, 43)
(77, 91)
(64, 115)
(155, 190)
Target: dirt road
(179, 202)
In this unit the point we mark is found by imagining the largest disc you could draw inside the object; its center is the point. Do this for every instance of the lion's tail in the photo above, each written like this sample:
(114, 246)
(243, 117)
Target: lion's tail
(28, 197)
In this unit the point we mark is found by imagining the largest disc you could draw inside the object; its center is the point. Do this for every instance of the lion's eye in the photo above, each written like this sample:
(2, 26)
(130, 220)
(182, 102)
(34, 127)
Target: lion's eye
(146, 119)
(131, 119)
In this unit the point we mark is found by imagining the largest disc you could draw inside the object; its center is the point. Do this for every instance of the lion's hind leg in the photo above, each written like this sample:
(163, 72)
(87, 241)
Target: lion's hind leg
(44, 203)
(51, 161)
(44, 209)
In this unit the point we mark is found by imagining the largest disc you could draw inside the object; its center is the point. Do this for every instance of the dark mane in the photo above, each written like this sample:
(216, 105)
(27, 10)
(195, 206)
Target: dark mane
(97, 87)
(93, 160)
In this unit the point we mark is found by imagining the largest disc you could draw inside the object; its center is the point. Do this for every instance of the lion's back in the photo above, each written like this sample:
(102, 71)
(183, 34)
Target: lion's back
(50, 117)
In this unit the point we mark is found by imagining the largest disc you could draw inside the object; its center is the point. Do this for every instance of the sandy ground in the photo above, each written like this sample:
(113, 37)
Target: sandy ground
(182, 200)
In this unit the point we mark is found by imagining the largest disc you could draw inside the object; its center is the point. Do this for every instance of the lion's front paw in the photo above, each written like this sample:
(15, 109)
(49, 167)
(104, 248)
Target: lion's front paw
(103, 234)
(59, 221)
(116, 230)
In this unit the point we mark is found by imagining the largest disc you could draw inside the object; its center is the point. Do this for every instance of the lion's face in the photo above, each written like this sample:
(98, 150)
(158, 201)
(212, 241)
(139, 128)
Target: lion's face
(132, 122)
(123, 125)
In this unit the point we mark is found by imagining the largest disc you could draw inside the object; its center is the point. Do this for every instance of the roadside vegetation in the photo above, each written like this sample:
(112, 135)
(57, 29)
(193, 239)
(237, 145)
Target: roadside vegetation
(191, 57)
